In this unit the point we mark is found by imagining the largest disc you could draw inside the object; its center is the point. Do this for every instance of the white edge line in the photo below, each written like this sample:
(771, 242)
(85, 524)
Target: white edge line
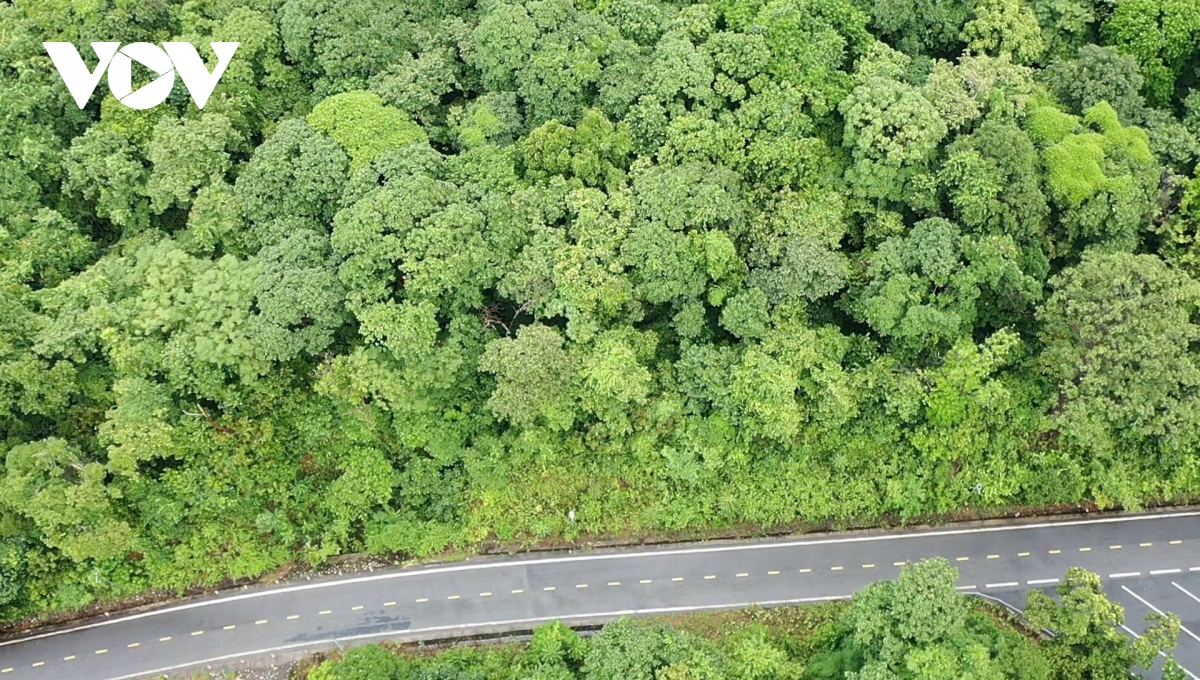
(611, 556)
(459, 626)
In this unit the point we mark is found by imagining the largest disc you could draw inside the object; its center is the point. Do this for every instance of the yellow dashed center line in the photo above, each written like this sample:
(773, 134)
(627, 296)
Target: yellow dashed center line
(325, 612)
(805, 571)
(485, 594)
(5, 670)
(228, 627)
(614, 583)
(581, 585)
(1145, 545)
(961, 559)
(422, 599)
(1176, 542)
(993, 557)
(835, 569)
(1114, 547)
(131, 645)
(386, 604)
(868, 566)
(165, 639)
(1055, 552)
(293, 617)
(454, 597)
(518, 591)
(645, 580)
(69, 658)
(1085, 550)
(742, 575)
(39, 664)
(899, 564)
(199, 632)
(710, 577)
(772, 573)
(354, 609)
(260, 622)
(102, 651)
(548, 588)
(1022, 554)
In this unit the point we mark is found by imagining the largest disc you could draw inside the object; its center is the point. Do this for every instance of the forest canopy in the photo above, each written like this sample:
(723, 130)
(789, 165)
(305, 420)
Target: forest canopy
(429, 273)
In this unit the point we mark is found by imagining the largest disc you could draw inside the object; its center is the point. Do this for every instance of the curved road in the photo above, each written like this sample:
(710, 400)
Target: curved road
(1148, 562)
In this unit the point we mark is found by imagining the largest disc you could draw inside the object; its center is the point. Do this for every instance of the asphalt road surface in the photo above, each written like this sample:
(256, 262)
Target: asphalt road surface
(1148, 563)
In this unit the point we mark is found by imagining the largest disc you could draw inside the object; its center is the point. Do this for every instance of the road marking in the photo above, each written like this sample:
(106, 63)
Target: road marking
(868, 566)
(961, 559)
(1193, 568)
(386, 604)
(39, 663)
(293, 617)
(769, 573)
(614, 583)
(645, 580)
(1085, 550)
(1006, 584)
(329, 642)
(1055, 552)
(422, 599)
(742, 575)
(324, 612)
(1041, 581)
(69, 658)
(102, 651)
(232, 627)
(805, 571)
(1160, 572)
(1022, 554)
(835, 569)
(966, 587)
(518, 591)
(610, 556)
(1114, 547)
(581, 585)
(1125, 574)
(548, 588)
(262, 621)
(165, 639)
(131, 645)
(1176, 542)
(993, 557)
(1145, 545)
(455, 597)
(353, 609)
(198, 632)
(710, 577)
(1160, 612)
(899, 564)
(1185, 591)
(680, 578)
(485, 594)
(5, 670)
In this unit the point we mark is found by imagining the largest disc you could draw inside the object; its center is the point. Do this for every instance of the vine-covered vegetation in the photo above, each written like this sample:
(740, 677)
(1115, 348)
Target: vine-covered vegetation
(431, 272)
(918, 627)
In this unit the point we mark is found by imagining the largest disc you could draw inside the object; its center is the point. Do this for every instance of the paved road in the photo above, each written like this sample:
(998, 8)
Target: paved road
(1147, 562)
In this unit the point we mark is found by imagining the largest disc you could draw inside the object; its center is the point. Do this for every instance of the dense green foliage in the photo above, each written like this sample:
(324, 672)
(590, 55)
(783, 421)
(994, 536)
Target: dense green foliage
(918, 627)
(427, 273)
